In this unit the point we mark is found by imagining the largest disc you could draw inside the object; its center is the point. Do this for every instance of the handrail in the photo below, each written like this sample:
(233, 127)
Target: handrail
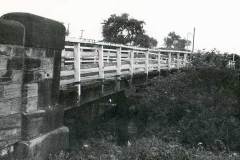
(114, 60)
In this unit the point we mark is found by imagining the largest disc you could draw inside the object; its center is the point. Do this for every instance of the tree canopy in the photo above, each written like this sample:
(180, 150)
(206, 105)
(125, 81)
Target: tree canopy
(174, 41)
(125, 30)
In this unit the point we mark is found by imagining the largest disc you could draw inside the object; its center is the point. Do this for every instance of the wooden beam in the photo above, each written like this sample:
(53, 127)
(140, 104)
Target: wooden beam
(77, 64)
(131, 62)
(159, 62)
(178, 60)
(119, 61)
(146, 62)
(169, 60)
(100, 62)
(185, 59)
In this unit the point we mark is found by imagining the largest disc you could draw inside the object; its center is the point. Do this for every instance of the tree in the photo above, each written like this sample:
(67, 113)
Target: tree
(125, 30)
(174, 41)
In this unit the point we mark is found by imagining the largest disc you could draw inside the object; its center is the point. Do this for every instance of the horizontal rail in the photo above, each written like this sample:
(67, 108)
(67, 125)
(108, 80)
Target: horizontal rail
(89, 60)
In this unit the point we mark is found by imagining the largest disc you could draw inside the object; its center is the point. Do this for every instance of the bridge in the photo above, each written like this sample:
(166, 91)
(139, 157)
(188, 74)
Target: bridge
(85, 63)
(41, 71)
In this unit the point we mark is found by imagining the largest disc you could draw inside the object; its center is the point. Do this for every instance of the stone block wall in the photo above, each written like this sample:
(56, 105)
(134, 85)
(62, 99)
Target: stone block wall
(30, 62)
(11, 78)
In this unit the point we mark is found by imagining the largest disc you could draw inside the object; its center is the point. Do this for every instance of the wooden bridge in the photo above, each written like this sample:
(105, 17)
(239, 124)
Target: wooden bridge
(86, 62)
(41, 72)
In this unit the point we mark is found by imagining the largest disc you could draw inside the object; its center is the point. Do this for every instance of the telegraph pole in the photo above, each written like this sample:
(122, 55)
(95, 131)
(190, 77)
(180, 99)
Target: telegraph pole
(193, 39)
(81, 33)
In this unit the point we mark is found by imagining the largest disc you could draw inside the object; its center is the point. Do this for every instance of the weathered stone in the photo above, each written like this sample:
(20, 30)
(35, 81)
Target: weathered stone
(40, 32)
(18, 51)
(10, 91)
(36, 52)
(40, 122)
(3, 62)
(45, 93)
(14, 76)
(11, 32)
(10, 106)
(9, 136)
(47, 67)
(30, 90)
(10, 121)
(40, 148)
(15, 63)
(30, 104)
(5, 50)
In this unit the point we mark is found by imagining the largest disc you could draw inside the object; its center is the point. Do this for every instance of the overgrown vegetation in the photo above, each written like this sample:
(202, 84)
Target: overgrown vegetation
(188, 115)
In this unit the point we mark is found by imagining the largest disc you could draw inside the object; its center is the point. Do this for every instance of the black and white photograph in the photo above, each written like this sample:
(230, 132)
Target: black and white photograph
(119, 80)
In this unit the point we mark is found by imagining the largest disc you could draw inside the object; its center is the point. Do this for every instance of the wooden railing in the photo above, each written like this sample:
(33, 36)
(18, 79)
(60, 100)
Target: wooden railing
(84, 61)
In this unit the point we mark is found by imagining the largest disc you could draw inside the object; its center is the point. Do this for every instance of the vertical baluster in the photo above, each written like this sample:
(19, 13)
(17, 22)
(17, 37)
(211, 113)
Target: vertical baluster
(169, 60)
(119, 50)
(178, 60)
(146, 62)
(159, 62)
(77, 66)
(132, 62)
(101, 62)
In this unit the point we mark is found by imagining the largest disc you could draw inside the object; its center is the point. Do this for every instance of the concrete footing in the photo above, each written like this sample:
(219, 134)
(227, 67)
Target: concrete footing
(40, 148)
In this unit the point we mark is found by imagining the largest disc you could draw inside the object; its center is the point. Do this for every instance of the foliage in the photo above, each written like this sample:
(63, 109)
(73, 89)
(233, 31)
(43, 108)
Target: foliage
(151, 148)
(174, 41)
(188, 115)
(125, 30)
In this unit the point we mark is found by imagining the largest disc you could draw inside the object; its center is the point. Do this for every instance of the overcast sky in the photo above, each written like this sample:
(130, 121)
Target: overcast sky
(216, 21)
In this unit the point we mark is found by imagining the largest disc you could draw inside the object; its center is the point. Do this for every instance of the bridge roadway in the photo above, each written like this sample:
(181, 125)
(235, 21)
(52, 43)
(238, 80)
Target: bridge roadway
(91, 70)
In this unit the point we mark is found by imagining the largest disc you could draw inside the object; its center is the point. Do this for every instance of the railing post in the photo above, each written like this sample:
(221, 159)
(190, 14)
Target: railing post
(185, 59)
(169, 60)
(147, 62)
(159, 62)
(77, 66)
(101, 62)
(119, 61)
(132, 62)
(178, 60)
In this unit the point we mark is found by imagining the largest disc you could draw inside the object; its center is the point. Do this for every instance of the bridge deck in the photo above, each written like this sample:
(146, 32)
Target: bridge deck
(84, 62)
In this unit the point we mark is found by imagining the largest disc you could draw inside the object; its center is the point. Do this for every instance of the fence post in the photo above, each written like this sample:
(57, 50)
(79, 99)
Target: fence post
(119, 61)
(159, 62)
(101, 62)
(169, 60)
(146, 62)
(132, 62)
(185, 59)
(77, 66)
(178, 60)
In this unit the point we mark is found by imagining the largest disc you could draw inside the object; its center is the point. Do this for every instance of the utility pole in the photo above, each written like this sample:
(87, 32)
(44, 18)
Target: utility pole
(81, 33)
(193, 39)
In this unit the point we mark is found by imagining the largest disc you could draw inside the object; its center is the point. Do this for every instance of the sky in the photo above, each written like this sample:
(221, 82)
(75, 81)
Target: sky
(217, 22)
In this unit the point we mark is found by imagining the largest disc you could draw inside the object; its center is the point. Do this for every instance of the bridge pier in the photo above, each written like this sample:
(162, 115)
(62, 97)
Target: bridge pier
(30, 118)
